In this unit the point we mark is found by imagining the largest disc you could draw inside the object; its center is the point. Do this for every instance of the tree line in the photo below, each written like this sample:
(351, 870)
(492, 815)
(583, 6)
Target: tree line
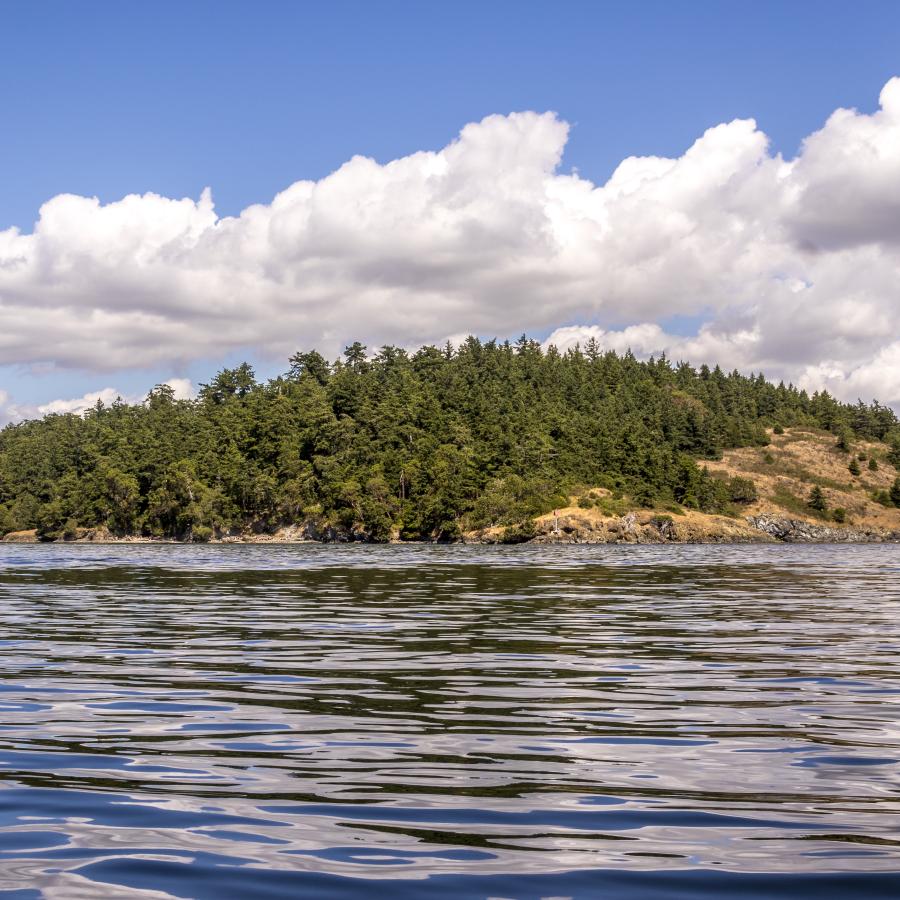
(417, 445)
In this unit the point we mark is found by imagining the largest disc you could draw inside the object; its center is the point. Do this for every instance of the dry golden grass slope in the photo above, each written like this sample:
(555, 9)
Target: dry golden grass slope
(786, 471)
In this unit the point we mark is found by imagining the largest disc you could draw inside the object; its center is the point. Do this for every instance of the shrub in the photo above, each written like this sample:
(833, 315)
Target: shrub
(509, 500)
(713, 494)
(873, 464)
(610, 506)
(742, 490)
(894, 492)
(519, 533)
(70, 530)
(768, 458)
(7, 521)
(839, 514)
(854, 468)
(50, 521)
(201, 534)
(843, 441)
(778, 429)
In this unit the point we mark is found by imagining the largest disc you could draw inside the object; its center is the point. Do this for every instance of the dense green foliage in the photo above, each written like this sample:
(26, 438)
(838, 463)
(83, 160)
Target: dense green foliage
(421, 444)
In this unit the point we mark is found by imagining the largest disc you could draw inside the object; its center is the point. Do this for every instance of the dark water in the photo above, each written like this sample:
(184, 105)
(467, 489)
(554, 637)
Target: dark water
(622, 722)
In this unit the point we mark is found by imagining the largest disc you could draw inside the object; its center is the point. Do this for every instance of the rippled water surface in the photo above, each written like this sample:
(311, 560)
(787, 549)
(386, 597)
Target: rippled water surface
(259, 721)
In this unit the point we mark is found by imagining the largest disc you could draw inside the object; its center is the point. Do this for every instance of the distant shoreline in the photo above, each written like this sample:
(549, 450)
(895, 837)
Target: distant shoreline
(571, 526)
(783, 474)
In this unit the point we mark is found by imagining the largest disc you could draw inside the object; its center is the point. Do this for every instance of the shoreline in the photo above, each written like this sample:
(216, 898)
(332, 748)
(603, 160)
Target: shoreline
(571, 526)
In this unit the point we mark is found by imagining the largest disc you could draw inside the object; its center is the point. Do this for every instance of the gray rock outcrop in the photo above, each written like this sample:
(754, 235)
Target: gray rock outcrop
(796, 531)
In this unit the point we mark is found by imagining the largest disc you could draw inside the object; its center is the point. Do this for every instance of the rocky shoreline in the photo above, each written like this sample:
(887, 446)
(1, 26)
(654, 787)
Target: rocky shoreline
(639, 527)
(653, 528)
(797, 531)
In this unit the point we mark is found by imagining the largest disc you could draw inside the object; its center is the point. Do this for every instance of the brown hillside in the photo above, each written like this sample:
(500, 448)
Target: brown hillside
(786, 471)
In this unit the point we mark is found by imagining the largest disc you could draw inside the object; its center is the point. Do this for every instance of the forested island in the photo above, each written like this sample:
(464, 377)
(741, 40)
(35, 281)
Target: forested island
(483, 438)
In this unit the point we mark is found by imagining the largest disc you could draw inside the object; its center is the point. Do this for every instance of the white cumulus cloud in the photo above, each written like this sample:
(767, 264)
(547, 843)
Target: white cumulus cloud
(793, 265)
(107, 396)
(11, 411)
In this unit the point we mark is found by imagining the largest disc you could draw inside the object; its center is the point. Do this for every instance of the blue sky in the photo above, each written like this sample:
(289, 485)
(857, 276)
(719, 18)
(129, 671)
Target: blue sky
(108, 99)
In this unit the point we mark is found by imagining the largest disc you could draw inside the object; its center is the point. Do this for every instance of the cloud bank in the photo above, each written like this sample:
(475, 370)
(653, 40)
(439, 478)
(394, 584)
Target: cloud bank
(792, 265)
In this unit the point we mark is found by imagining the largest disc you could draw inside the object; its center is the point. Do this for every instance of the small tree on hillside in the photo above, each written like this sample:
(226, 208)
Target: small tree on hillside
(843, 441)
(894, 492)
(854, 468)
(893, 456)
(817, 500)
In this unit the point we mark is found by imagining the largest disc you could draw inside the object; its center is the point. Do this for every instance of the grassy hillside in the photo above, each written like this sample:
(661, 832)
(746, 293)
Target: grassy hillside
(784, 474)
(786, 471)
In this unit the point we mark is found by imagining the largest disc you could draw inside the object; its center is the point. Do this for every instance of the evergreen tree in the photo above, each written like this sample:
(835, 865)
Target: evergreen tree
(817, 500)
(844, 439)
(893, 456)
(894, 492)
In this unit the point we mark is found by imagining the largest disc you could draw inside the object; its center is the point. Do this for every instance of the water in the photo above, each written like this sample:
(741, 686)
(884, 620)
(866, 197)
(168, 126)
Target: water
(626, 722)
